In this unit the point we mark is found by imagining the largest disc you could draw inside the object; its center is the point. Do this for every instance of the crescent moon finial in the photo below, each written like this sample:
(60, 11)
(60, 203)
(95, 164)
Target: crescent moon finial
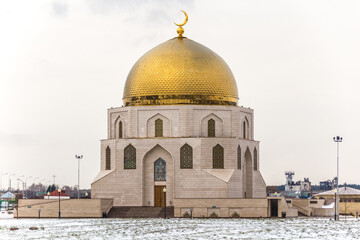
(180, 30)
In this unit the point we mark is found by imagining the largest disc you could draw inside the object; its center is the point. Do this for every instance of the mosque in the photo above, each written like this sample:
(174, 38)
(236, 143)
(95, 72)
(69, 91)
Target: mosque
(181, 139)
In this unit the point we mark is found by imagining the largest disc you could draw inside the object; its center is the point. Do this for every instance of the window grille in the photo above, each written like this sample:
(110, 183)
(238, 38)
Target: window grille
(239, 157)
(107, 158)
(186, 156)
(120, 129)
(158, 128)
(218, 156)
(244, 130)
(211, 128)
(255, 160)
(160, 170)
(130, 157)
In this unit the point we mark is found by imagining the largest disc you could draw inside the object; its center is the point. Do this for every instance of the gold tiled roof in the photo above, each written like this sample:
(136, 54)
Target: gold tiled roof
(180, 71)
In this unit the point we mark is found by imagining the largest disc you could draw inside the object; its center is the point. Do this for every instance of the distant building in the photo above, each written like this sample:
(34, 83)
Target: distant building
(299, 186)
(55, 195)
(326, 185)
(349, 199)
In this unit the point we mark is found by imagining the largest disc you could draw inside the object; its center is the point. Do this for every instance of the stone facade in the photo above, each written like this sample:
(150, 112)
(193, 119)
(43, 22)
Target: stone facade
(233, 128)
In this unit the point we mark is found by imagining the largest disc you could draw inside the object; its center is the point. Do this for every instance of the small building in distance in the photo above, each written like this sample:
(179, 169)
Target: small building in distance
(299, 186)
(349, 199)
(55, 195)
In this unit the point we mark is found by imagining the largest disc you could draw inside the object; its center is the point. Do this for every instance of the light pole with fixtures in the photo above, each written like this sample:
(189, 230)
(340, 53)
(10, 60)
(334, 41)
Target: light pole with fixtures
(26, 182)
(59, 190)
(3, 174)
(78, 157)
(338, 140)
(10, 181)
(23, 183)
(164, 190)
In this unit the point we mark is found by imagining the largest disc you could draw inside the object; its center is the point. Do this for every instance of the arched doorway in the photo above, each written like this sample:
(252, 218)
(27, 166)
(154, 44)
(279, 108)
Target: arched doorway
(158, 173)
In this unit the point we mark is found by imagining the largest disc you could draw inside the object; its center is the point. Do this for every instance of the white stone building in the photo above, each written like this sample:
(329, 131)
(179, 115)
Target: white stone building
(180, 128)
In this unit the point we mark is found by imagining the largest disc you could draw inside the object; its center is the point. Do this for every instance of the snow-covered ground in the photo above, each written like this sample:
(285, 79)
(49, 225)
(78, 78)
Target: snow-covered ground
(304, 228)
(6, 214)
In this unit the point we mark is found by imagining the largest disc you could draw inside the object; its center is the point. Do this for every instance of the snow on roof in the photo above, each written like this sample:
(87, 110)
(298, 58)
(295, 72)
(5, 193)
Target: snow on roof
(342, 191)
(7, 195)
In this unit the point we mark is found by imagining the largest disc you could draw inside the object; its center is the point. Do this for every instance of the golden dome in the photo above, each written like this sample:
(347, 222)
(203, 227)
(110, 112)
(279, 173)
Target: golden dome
(180, 71)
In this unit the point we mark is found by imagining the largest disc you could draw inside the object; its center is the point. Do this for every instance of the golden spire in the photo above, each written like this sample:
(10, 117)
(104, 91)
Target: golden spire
(180, 30)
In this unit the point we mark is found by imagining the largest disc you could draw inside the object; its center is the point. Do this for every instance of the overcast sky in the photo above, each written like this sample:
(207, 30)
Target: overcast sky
(64, 63)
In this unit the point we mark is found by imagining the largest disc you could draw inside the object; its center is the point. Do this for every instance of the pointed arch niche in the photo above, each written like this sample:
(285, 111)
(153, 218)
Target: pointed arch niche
(119, 128)
(248, 174)
(158, 126)
(149, 181)
(245, 129)
(211, 126)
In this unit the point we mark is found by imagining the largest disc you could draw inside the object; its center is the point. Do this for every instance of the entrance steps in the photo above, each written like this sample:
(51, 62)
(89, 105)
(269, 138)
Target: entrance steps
(304, 211)
(140, 212)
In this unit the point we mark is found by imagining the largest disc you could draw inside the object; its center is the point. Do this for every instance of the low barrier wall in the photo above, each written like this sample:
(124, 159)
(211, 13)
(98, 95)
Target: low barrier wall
(69, 208)
(220, 207)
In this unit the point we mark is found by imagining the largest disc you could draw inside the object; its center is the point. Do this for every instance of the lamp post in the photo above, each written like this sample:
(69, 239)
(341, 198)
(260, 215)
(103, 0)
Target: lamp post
(338, 140)
(48, 194)
(35, 180)
(18, 182)
(23, 183)
(26, 181)
(164, 190)
(59, 190)
(10, 181)
(78, 157)
(3, 174)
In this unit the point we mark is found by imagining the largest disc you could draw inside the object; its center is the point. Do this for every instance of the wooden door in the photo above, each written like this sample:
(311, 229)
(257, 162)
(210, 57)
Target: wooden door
(159, 196)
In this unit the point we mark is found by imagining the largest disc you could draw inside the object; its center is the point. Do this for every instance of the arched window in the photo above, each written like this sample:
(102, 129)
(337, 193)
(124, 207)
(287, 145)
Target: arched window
(244, 129)
(130, 157)
(239, 157)
(186, 156)
(218, 156)
(158, 127)
(255, 160)
(211, 128)
(160, 170)
(107, 158)
(120, 129)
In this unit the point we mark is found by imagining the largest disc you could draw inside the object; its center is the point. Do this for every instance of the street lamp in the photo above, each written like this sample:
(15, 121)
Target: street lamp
(86, 194)
(338, 140)
(3, 174)
(26, 182)
(164, 190)
(59, 190)
(35, 179)
(10, 181)
(23, 186)
(48, 193)
(78, 157)
(19, 180)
